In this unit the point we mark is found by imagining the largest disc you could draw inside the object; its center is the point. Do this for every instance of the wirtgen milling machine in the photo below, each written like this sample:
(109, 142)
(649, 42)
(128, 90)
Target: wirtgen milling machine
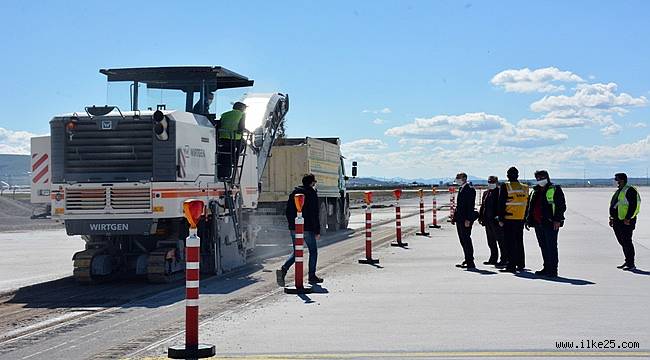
(119, 178)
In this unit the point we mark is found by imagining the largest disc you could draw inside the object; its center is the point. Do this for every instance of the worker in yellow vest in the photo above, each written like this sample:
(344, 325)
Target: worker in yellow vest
(511, 213)
(623, 210)
(230, 128)
(545, 213)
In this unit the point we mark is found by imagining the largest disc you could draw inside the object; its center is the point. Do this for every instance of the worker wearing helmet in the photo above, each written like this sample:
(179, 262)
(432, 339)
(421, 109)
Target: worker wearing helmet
(230, 128)
(513, 199)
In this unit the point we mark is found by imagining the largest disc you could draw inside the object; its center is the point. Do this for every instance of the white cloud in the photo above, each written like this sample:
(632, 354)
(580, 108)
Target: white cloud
(639, 125)
(593, 96)
(538, 80)
(610, 130)
(528, 138)
(590, 105)
(362, 146)
(380, 111)
(378, 121)
(15, 142)
(448, 126)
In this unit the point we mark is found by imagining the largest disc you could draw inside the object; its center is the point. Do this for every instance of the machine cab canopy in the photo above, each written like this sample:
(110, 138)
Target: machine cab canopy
(188, 79)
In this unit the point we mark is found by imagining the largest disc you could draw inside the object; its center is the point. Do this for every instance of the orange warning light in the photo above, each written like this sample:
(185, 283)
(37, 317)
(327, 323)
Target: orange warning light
(397, 193)
(193, 210)
(299, 200)
(367, 197)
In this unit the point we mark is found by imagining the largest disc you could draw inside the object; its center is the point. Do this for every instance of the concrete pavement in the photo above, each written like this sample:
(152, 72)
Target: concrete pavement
(417, 304)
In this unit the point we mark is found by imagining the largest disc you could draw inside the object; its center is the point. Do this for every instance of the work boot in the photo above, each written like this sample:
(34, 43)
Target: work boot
(462, 265)
(279, 277)
(501, 264)
(470, 266)
(313, 279)
(541, 272)
(510, 269)
(490, 262)
(622, 266)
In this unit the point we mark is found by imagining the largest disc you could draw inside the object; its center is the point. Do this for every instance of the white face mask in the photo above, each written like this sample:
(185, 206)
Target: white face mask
(492, 186)
(542, 182)
(460, 182)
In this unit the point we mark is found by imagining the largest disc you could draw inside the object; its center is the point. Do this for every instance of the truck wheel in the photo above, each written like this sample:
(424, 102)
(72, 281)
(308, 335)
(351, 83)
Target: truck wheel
(335, 219)
(323, 217)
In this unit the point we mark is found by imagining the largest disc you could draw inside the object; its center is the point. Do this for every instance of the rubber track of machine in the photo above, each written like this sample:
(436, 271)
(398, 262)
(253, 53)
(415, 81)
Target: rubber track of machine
(157, 269)
(83, 264)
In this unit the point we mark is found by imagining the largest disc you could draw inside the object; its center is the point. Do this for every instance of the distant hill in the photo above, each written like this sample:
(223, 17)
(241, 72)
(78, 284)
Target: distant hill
(14, 169)
(391, 182)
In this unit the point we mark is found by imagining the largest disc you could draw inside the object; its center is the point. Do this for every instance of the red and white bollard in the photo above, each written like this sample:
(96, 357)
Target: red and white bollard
(193, 210)
(398, 220)
(367, 197)
(434, 211)
(452, 202)
(299, 250)
(422, 230)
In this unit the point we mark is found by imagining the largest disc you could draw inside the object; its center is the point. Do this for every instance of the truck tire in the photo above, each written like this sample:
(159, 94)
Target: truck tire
(323, 216)
(335, 220)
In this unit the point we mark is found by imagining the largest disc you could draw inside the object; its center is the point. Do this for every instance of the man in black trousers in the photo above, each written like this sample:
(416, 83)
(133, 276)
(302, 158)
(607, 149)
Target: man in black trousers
(546, 207)
(464, 216)
(623, 210)
(488, 218)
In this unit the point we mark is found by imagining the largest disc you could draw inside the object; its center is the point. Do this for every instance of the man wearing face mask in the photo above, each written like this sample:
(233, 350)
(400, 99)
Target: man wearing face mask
(513, 198)
(488, 218)
(623, 210)
(545, 213)
(464, 216)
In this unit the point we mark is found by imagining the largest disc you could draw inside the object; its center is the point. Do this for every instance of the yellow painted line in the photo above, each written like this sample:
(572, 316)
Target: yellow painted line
(438, 354)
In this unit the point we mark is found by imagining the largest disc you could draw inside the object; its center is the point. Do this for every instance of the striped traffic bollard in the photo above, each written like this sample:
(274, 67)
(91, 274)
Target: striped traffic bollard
(193, 210)
(367, 197)
(398, 220)
(434, 211)
(299, 250)
(452, 203)
(422, 231)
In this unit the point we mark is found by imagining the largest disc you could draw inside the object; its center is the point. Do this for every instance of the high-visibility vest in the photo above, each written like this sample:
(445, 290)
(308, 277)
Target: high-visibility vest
(550, 198)
(229, 127)
(517, 200)
(623, 205)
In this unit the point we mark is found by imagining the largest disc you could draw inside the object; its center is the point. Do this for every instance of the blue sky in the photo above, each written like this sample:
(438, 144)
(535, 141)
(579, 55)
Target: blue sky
(558, 85)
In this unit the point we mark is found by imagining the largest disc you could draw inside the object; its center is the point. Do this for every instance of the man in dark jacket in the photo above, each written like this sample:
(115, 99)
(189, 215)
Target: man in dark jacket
(488, 218)
(464, 216)
(545, 212)
(310, 212)
(623, 210)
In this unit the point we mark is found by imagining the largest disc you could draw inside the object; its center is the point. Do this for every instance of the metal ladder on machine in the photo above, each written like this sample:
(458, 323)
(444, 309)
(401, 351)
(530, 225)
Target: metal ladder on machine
(235, 180)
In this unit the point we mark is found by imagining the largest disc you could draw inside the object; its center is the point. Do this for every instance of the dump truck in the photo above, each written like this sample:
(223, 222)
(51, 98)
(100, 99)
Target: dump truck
(294, 157)
(119, 176)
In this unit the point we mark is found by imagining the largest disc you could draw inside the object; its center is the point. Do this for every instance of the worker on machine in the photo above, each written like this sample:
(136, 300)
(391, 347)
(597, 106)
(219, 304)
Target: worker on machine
(230, 128)
(198, 107)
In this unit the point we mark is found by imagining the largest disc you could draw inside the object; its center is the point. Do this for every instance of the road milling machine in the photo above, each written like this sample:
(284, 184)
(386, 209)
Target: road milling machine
(119, 177)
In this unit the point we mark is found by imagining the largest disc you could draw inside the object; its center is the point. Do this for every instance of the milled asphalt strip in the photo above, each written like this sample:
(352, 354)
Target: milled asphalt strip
(386, 235)
(47, 325)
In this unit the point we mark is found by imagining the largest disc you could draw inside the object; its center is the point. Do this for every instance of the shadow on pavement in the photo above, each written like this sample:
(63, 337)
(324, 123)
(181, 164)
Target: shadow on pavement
(126, 293)
(481, 271)
(558, 279)
(639, 272)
